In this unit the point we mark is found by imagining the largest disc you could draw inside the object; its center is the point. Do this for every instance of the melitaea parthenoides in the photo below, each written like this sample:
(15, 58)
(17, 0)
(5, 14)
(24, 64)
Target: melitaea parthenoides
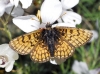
(46, 43)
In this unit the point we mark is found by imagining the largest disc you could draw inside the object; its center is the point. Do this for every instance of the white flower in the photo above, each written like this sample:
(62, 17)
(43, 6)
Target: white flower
(82, 68)
(7, 57)
(68, 16)
(25, 3)
(94, 36)
(6, 6)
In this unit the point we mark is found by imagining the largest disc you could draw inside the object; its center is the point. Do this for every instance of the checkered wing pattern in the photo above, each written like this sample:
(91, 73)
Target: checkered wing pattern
(40, 53)
(74, 36)
(63, 49)
(70, 39)
(26, 43)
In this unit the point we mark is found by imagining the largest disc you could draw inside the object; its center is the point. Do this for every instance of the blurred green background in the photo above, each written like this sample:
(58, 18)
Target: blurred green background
(89, 53)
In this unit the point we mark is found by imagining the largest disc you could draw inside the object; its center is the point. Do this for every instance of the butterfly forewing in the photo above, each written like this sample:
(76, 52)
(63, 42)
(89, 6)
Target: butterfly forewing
(40, 53)
(25, 43)
(75, 36)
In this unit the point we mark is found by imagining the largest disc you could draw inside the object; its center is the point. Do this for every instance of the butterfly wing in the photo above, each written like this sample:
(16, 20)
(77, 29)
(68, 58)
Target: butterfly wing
(40, 53)
(25, 44)
(69, 40)
(63, 49)
(75, 36)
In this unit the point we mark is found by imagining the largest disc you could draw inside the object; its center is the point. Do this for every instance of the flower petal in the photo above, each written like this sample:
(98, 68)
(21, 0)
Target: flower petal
(12, 55)
(2, 10)
(15, 2)
(68, 4)
(17, 11)
(64, 25)
(71, 17)
(9, 4)
(76, 68)
(0, 61)
(26, 3)
(26, 23)
(80, 67)
(94, 36)
(12, 1)
(9, 67)
(57, 61)
(50, 11)
(42, 25)
(7, 51)
(3, 48)
(84, 67)
(3, 5)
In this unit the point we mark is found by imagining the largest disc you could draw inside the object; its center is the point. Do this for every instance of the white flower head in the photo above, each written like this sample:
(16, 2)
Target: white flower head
(7, 57)
(68, 16)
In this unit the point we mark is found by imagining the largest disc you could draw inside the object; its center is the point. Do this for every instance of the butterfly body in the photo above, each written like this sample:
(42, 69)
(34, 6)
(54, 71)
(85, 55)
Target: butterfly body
(50, 37)
(57, 42)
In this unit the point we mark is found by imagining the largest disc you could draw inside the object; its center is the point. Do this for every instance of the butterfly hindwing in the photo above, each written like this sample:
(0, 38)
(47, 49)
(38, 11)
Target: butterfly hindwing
(40, 53)
(75, 36)
(63, 49)
(25, 43)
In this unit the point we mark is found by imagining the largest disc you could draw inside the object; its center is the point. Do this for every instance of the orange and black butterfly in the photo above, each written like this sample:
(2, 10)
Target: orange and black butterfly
(57, 42)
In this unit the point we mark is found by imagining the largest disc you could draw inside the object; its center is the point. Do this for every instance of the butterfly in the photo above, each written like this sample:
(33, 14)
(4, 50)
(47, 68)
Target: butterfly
(43, 44)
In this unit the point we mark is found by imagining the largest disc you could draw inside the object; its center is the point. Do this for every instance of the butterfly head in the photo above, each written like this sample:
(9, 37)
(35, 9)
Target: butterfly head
(48, 26)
